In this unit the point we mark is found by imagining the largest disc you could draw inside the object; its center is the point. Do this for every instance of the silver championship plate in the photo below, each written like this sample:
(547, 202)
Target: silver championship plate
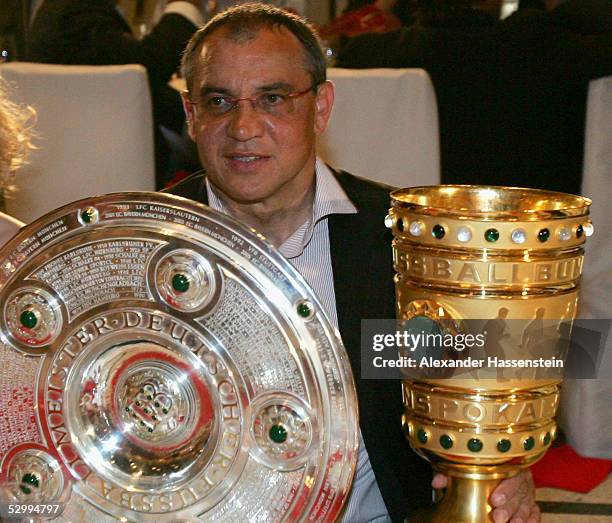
(160, 362)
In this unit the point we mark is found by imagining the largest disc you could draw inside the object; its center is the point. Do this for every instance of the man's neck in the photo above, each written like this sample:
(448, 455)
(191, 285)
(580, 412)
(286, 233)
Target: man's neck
(276, 220)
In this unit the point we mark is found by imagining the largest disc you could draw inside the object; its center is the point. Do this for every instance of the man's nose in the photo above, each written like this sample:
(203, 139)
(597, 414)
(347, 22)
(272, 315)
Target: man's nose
(245, 122)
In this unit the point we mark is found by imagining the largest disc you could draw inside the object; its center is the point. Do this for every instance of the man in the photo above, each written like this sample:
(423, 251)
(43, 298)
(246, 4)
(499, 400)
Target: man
(257, 99)
(93, 32)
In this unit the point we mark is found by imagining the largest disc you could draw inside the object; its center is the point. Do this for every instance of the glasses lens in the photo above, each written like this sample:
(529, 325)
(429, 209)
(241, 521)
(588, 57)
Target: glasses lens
(217, 105)
(274, 103)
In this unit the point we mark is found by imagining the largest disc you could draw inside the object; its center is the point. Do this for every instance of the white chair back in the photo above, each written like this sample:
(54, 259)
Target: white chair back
(384, 126)
(597, 173)
(94, 133)
(586, 402)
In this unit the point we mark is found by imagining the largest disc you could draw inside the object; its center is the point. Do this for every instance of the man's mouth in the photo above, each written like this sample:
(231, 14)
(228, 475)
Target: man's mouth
(246, 159)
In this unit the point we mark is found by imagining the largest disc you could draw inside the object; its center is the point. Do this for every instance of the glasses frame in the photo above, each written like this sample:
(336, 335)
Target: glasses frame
(253, 99)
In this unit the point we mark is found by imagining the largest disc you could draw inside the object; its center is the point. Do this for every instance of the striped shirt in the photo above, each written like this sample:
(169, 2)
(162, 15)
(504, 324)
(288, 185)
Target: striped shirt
(308, 250)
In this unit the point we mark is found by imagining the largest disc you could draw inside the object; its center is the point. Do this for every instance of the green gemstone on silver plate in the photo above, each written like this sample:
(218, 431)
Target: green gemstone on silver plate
(180, 283)
(28, 319)
(503, 445)
(278, 433)
(87, 215)
(422, 436)
(474, 445)
(446, 441)
(528, 443)
(303, 309)
(30, 479)
(491, 235)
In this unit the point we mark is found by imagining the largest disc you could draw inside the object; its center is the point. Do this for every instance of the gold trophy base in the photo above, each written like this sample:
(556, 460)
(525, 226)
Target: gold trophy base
(467, 495)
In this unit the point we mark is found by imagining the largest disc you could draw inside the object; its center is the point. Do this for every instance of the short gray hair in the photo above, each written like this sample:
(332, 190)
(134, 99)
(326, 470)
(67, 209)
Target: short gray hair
(243, 22)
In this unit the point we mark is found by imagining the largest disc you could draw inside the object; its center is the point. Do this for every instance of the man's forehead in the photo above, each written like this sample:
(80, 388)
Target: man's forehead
(248, 38)
(272, 45)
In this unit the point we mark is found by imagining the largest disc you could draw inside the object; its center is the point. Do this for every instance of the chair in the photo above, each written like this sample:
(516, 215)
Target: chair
(384, 126)
(585, 404)
(94, 133)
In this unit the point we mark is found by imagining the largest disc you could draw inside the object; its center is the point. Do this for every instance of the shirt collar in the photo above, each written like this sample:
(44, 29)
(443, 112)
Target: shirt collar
(214, 200)
(329, 199)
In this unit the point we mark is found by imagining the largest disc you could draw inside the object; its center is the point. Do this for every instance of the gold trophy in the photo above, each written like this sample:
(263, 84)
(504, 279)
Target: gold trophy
(496, 254)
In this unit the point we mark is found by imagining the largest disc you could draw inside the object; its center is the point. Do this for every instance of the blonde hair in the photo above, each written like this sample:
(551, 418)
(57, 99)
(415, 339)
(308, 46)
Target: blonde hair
(15, 136)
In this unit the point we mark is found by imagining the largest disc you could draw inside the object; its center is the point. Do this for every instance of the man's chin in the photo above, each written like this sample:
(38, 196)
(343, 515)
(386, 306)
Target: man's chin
(249, 199)
(248, 195)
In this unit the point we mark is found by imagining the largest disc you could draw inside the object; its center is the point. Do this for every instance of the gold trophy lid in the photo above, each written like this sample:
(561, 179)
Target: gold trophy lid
(489, 202)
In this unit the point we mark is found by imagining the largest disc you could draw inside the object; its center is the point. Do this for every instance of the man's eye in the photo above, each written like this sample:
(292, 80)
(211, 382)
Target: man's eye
(217, 102)
(272, 99)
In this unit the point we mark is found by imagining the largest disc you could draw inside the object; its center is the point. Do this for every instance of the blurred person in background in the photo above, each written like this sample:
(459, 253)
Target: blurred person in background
(511, 94)
(532, 4)
(214, 7)
(94, 32)
(366, 16)
(12, 30)
(15, 124)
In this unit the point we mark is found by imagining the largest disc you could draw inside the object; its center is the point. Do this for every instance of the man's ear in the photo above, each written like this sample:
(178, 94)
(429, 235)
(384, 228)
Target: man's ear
(324, 103)
(189, 109)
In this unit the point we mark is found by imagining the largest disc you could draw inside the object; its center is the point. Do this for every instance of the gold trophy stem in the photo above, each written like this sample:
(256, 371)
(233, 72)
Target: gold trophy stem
(466, 499)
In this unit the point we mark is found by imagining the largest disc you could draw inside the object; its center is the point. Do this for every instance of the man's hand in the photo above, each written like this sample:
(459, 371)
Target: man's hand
(513, 500)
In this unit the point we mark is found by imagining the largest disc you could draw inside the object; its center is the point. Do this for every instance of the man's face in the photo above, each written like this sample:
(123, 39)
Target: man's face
(250, 154)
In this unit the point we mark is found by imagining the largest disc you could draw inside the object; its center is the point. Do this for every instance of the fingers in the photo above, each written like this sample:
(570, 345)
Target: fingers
(508, 488)
(439, 481)
(514, 500)
(535, 515)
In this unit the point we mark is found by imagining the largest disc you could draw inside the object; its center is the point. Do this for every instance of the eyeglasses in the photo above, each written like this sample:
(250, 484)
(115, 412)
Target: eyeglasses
(271, 103)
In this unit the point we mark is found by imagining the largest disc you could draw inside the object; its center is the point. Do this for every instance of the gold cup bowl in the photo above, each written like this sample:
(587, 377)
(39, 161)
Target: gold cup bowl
(495, 254)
